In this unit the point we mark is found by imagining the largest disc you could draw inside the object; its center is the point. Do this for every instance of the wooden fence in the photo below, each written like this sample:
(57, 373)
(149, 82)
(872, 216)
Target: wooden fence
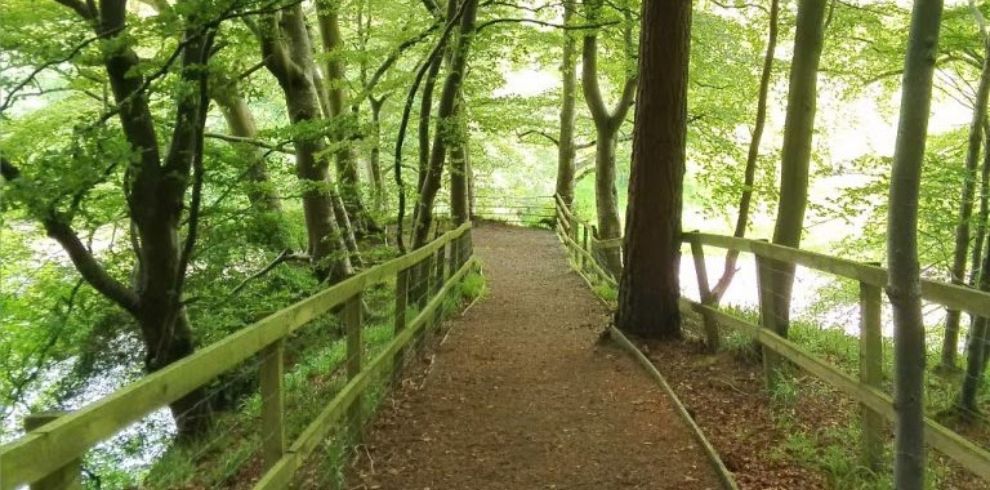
(48, 449)
(877, 406)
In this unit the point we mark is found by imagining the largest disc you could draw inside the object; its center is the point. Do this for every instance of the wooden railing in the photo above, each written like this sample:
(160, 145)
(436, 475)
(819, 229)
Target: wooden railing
(877, 406)
(49, 448)
(580, 238)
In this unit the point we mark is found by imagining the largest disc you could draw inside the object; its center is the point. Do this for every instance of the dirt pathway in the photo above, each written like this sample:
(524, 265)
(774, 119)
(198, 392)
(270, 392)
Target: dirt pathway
(521, 396)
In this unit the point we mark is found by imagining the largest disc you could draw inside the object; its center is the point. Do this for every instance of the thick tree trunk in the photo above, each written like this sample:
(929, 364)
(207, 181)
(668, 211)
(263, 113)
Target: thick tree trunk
(799, 129)
(291, 67)
(607, 126)
(903, 281)
(445, 111)
(565, 142)
(649, 287)
(752, 157)
(950, 343)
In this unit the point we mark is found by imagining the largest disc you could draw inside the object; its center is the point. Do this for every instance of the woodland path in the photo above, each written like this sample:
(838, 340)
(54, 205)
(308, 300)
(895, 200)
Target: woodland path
(521, 395)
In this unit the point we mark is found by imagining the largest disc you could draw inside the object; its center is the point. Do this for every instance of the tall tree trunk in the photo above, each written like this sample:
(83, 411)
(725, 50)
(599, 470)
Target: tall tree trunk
(347, 173)
(950, 342)
(903, 278)
(752, 157)
(649, 287)
(266, 206)
(458, 166)
(607, 126)
(290, 64)
(374, 157)
(565, 142)
(799, 129)
(445, 111)
(976, 254)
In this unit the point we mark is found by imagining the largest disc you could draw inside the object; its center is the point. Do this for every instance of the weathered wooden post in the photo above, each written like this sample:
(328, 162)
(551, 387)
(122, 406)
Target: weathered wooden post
(401, 300)
(871, 371)
(355, 350)
(705, 293)
(272, 403)
(68, 477)
(439, 262)
(764, 283)
(585, 244)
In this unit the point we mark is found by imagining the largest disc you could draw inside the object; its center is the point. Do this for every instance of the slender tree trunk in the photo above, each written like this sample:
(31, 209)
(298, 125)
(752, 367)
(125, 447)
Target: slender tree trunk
(291, 66)
(448, 98)
(425, 114)
(950, 343)
(649, 287)
(607, 126)
(565, 142)
(796, 153)
(607, 199)
(976, 254)
(270, 227)
(347, 173)
(752, 157)
(903, 281)
(346, 229)
(458, 166)
(374, 158)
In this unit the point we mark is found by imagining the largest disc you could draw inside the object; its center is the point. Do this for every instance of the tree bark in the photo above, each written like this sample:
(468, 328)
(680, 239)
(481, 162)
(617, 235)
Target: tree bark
(752, 157)
(290, 66)
(649, 287)
(445, 111)
(950, 342)
(458, 166)
(565, 143)
(374, 156)
(155, 188)
(607, 126)
(266, 206)
(903, 280)
(336, 81)
(799, 129)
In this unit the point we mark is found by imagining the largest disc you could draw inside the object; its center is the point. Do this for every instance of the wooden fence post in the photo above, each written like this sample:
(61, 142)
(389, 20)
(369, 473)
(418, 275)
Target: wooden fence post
(871, 372)
(764, 283)
(704, 291)
(68, 477)
(584, 242)
(272, 403)
(355, 351)
(441, 278)
(401, 300)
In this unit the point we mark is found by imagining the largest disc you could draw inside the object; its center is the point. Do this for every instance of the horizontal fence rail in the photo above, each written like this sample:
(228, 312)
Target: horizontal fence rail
(49, 448)
(877, 406)
(581, 240)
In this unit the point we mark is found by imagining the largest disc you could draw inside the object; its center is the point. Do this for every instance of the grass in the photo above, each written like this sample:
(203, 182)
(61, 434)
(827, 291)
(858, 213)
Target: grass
(229, 453)
(833, 450)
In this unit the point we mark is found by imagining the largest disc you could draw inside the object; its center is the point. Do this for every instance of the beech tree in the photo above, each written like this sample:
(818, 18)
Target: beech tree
(649, 287)
(158, 177)
(799, 129)
(903, 277)
(607, 124)
(287, 53)
(565, 141)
